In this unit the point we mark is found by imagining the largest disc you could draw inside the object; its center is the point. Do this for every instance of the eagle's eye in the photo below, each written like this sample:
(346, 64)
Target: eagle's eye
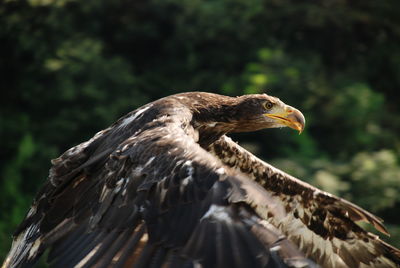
(268, 105)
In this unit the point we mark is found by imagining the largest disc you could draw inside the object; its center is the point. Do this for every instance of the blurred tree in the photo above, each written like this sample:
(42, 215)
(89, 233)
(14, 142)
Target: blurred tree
(70, 68)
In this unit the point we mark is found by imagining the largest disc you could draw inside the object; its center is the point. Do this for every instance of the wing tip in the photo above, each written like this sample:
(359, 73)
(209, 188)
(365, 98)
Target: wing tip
(357, 213)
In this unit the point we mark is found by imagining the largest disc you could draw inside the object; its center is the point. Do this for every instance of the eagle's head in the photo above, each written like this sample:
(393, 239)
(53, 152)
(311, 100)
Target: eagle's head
(215, 115)
(259, 111)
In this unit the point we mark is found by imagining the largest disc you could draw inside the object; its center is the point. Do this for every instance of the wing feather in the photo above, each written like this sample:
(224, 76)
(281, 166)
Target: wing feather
(145, 194)
(322, 225)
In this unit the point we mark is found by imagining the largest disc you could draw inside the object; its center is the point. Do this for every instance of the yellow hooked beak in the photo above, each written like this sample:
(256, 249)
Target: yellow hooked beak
(289, 117)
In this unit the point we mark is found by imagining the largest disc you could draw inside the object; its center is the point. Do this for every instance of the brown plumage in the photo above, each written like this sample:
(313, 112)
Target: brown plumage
(165, 187)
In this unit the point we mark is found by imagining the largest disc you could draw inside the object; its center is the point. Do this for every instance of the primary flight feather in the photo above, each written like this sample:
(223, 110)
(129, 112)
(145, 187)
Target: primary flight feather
(165, 187)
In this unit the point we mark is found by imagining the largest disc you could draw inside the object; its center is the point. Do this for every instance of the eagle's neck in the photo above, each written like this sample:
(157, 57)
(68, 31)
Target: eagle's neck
(213, 120)
(210, 132)
(211, 115)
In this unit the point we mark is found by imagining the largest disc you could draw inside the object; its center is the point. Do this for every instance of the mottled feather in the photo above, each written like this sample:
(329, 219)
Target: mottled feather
(164, 187)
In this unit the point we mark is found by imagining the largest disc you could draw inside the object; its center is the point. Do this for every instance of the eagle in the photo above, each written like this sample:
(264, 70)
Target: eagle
(164, 186)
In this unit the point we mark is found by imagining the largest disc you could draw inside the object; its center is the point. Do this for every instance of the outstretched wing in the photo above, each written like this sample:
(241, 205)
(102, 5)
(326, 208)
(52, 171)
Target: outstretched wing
(145, 194)
(322, 225)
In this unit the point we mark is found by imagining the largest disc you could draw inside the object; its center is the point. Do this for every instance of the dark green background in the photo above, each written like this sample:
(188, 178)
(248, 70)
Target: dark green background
(70, 68)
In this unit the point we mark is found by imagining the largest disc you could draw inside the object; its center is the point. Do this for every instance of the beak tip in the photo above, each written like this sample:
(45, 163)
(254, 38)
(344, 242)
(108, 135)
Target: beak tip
(297, 119)
(299, 127)
(291, 117)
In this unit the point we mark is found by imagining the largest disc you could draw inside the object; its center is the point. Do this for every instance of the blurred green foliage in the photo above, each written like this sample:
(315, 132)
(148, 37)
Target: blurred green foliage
(70, 68)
